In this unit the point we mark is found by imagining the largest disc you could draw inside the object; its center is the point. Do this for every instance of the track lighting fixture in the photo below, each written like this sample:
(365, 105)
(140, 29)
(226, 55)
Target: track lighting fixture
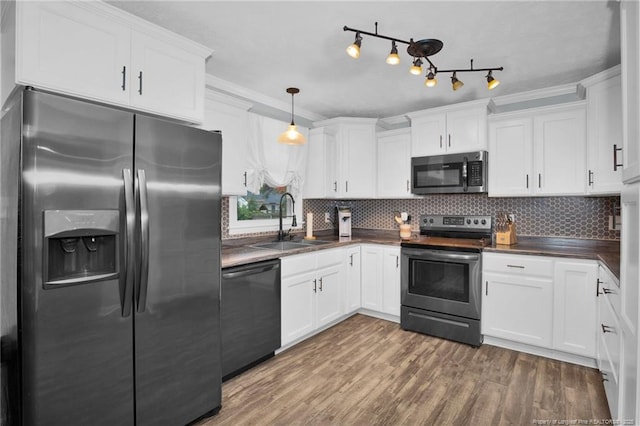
(292, 136)
(420, 50)
(416, 68)
(393, 58)
(455, 83)
(492, 83)
(431, 78)
(354, 49)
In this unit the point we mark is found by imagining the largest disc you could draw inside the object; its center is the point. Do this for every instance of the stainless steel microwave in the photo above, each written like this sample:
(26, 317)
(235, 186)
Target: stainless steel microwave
(450, 173)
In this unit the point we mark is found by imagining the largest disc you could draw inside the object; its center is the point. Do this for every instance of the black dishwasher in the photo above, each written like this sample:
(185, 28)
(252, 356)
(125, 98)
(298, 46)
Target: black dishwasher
(249, 315)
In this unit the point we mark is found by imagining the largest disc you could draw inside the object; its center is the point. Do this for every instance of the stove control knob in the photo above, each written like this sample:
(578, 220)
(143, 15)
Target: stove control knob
(475, 221)
(484, 221)
(424, 220)
(468, 221)
(431, 220)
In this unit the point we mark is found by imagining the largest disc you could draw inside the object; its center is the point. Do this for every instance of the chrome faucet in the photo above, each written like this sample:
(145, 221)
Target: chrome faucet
(281, 233)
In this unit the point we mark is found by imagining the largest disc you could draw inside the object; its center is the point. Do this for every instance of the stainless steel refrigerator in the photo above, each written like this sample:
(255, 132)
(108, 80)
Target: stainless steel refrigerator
(118, 266)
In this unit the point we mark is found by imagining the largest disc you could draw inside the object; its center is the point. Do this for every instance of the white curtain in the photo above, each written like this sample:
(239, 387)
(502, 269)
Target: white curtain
(271, 162)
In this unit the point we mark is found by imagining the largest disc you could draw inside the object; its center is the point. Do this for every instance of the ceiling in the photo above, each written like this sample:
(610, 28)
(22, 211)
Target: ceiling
(267, 46)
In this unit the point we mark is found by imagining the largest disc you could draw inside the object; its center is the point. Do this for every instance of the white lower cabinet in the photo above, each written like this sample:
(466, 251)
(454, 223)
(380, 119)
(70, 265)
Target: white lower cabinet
(312, 286)
(608, 343)
(542, 301)
(380, 278)
(574, 307)
(352, 279)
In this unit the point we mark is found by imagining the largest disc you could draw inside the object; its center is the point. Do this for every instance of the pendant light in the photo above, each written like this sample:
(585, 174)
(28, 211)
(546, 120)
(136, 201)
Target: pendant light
(492, 83)
(292, 136)
(393, 58)
(455, 83)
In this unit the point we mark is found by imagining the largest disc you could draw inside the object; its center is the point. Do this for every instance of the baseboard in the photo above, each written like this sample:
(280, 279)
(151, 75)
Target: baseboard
(544, 352)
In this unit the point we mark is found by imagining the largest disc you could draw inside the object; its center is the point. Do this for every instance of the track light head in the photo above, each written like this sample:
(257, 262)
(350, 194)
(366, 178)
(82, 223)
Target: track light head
(354, 49)
(455, 83)
(492, 83)
(393, 58)
(431, 79)
(416, 68)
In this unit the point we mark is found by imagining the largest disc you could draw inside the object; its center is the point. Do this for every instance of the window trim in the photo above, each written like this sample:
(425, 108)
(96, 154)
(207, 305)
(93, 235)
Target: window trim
(237, 227)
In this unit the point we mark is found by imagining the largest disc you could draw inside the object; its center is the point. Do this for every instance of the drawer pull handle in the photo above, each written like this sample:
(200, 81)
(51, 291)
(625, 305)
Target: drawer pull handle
(515, 266)
(320, 284)
(604, 377)
(608, 291)
(607, 328)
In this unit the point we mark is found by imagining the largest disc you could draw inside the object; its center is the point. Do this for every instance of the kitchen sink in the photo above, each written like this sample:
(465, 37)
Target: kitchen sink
(289, 245)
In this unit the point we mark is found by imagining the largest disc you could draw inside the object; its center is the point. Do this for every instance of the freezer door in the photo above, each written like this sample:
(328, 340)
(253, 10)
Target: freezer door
(177, 325)
(76, 344)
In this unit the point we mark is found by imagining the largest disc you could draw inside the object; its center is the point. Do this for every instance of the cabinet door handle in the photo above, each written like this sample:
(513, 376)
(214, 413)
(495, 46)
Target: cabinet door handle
(335, 186)
(607, 328)
(539, 180)
(449, 140)
(397, 262)
(604, 377)
(527, 180)
(607, 291)
(124, 77)
(615, 157)
(245, 179)
(598, 287)
(320, 284)
(351, 259)
(408, 185)
(346, 186)
(590, 183)
(486, 288)
(315, 282)
(515, 266)
(140, 83)
(440, 141)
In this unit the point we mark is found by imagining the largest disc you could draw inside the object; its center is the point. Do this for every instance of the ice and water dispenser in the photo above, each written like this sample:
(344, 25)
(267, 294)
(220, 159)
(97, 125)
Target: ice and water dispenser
(80, 246)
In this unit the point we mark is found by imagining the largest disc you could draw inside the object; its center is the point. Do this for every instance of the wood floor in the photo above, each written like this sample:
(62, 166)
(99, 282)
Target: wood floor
(366, 371)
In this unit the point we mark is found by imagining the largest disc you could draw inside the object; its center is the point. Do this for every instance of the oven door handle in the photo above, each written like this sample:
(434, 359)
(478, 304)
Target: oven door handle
(436, 255)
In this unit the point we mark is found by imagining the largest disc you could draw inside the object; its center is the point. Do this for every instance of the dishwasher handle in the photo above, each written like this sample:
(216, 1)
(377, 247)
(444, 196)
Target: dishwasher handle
(250, 270)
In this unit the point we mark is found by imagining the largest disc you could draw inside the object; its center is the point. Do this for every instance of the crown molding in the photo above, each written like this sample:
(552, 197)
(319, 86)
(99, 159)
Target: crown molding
(237, 91)
(212, 95)
(346, 120)
(548, 92)
(601, 76)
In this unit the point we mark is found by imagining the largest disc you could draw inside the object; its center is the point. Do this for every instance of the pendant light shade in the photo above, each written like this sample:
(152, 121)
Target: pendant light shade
(455, 83)
(292, 136)
(431, 79)
(416, 68)
(393, 58)
(354, 49)
(492, 83)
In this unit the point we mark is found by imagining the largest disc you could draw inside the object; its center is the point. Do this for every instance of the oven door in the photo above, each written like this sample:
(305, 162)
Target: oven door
(442, 281)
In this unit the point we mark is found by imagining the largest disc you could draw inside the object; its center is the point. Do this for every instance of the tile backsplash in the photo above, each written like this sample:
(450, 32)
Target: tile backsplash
(572, 217)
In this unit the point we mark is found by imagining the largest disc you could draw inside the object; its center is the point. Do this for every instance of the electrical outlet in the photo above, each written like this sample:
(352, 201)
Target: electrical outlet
(618, 223)
(512, 218)
(327, 217)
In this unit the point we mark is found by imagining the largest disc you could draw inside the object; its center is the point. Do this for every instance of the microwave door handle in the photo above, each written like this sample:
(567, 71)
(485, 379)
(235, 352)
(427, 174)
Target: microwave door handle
(464, 174)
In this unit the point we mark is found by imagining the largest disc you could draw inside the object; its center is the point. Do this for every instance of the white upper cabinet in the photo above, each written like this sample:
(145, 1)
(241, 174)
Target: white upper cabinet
(630, 72)
(229, 115)
(604, 132)
(315, 182)
(450, 129)
(540, 151)
(394, 164)
(559, 152)
(349, 158)
(95, 51)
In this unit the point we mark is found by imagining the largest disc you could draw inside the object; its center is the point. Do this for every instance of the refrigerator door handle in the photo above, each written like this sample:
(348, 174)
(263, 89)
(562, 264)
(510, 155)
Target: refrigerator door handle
(129, 255)
(144, 240)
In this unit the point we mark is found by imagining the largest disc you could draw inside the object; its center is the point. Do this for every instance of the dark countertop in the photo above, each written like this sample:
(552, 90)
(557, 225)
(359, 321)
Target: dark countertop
(606, 251)
(237, 252)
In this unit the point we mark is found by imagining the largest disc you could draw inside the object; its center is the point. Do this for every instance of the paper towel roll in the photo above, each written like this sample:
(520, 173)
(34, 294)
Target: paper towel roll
(309, 225)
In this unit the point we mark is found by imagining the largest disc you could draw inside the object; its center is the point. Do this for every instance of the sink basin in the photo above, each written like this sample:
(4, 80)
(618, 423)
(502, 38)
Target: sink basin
(288, 245)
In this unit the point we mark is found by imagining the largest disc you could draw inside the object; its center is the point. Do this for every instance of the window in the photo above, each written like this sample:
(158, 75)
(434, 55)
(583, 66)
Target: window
(260, 212)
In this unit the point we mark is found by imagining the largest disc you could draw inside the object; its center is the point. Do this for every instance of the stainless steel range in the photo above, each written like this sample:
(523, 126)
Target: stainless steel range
(441, 277)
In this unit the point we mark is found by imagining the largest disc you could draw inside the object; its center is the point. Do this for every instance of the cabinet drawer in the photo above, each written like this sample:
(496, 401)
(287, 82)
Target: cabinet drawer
(609, 289)
(298, 264)
(516, 264)
(329, 257)
(609, 333)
